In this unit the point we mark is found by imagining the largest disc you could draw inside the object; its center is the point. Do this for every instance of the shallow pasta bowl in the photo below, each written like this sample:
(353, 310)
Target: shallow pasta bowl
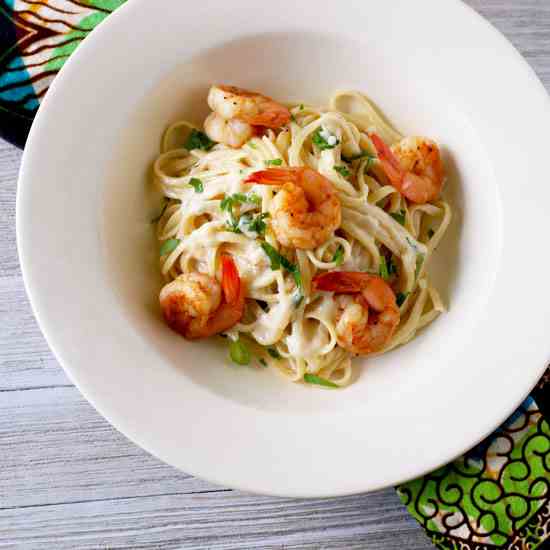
(90, 259)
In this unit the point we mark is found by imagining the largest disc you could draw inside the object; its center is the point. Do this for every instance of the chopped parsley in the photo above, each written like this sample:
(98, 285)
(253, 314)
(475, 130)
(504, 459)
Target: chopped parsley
(239, 353)
(229, 201)
(431, 233)
(317, 380)
(401, 297)
(274, 353)
(257, 224)
(169, 246)
(293, 118)
(338, 257)
(342, 170)
(301, 106)
(198, 140)
(263, 362)
(399, 217)
(248, 224)
(277, 261)
(196, 183)
(274, 162)
(323, 139)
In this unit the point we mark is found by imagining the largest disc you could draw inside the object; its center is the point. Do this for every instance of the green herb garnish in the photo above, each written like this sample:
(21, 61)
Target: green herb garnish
(401, 297)
(257, 224)
(198, 140)
(383, 269)
(431, 233)
(301, 106)
(239, 353)
(321, 142)
(342, 170)
(277, 260)
(338, 257)
(263, 304)
(274, 353)
(263, 362)
(293, 118)
(196, 183)
(274, 162)
(169, 246)
(399, 217)
(253, 145)
(314, 379)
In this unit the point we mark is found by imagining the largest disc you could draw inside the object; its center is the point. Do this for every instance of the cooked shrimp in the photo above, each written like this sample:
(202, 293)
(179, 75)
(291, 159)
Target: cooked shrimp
(413, 166)
(306, 210)
(232, 132)
(367, 311)
(243, 112)
(194, 307)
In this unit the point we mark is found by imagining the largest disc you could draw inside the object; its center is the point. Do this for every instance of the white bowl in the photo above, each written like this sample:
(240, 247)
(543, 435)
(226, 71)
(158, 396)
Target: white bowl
(90, 259)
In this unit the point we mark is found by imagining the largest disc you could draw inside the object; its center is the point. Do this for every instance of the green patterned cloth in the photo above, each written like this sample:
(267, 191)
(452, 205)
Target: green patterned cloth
(495, 497)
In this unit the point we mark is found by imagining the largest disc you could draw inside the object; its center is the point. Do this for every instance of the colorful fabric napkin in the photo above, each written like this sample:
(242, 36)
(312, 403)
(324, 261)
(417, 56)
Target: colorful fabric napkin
(497, 496)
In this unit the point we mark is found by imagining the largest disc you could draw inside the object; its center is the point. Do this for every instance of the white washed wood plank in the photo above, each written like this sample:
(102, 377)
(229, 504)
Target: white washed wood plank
(25, 358)
(55, 448)
(221, 520)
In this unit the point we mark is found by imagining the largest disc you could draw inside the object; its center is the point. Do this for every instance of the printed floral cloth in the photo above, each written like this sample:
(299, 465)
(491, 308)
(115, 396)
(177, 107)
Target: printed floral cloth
(497, 496)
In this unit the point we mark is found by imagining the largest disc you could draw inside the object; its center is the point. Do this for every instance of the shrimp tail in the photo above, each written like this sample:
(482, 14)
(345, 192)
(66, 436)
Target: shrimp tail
(389, 161)
(231, 282)
(273, 176)
(342, 282)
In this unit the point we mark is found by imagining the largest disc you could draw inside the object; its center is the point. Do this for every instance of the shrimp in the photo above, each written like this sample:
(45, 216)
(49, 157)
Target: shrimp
(413, 166)
(232, 132)
(194, 307)
(367, 313)
(243, 112)
(306, 211)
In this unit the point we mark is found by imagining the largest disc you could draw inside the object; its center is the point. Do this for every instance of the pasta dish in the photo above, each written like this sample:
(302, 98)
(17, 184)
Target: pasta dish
(301, 234)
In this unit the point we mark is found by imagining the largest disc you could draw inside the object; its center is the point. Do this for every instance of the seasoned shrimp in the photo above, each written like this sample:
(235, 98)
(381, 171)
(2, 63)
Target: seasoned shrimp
(194, 307)
(233, 132)
(244, 112)
(367, 313)
(306, 211)
(413, 166)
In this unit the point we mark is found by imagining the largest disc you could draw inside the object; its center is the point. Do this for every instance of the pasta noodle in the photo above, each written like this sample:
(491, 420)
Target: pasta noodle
(291, 327)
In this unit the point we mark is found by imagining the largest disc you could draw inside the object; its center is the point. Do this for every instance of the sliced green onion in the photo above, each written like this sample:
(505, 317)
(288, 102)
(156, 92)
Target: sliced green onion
(274, 162)
(383, 269)
(239, 353)
(338, 257)
(169, 246)
(314, 379)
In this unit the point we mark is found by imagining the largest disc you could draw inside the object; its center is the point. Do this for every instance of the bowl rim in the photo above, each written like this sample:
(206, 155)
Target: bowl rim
(34, 289)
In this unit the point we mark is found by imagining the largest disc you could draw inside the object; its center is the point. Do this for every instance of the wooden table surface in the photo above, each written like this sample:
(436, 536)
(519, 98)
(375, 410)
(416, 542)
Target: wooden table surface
(69, 480)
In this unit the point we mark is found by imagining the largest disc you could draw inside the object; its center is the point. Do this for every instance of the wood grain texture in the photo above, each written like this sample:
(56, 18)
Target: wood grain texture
(69, 480)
